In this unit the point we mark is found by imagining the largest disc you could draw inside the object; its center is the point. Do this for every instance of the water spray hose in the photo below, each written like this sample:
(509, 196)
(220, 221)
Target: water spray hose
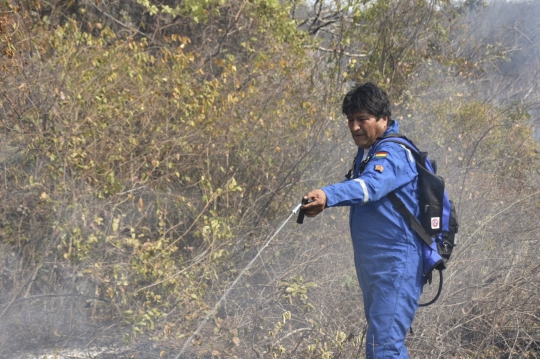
(213, 311)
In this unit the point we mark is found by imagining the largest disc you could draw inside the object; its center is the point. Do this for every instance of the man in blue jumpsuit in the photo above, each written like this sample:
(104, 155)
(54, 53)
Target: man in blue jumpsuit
(387, 252)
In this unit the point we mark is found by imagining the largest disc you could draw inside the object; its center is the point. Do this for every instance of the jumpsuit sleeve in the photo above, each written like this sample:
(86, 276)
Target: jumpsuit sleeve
(390, 167)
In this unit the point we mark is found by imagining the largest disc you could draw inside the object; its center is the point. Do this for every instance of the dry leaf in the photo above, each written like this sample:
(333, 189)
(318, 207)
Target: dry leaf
(141, 204)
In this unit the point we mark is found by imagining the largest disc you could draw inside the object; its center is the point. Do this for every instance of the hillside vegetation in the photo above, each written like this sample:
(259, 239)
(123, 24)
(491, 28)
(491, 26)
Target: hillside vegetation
(150, 148)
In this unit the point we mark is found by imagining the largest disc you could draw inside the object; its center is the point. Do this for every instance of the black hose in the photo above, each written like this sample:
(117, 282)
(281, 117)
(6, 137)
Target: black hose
(438, 292)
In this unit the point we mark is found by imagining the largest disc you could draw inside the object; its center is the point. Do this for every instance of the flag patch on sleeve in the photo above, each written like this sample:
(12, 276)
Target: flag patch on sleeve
(381, 154)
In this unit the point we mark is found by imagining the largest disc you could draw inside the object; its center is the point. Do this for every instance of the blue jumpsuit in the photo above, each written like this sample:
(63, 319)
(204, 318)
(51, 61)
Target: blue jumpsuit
(387, 252)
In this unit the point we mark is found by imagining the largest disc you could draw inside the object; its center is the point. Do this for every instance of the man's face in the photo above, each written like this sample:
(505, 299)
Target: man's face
(365, 128)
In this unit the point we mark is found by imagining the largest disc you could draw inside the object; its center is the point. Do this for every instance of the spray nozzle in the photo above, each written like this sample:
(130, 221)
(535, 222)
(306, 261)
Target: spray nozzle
(302, 212)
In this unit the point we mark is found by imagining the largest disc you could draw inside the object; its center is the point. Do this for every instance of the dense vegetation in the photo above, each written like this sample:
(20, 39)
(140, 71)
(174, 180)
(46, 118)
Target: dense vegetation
(149, 148)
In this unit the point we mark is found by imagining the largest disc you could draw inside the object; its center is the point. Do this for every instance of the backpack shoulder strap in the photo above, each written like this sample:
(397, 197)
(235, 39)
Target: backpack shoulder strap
(401, 139)
(411, 220)
(397, 203)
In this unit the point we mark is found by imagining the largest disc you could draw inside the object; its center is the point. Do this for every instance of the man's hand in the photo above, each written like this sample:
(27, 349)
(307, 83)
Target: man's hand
(317, 206)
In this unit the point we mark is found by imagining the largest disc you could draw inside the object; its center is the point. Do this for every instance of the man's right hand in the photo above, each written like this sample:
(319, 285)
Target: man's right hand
(318, 203)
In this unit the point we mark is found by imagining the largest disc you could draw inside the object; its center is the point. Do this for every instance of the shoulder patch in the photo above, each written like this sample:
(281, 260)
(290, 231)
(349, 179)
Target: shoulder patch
(379, 168)
(381, 154)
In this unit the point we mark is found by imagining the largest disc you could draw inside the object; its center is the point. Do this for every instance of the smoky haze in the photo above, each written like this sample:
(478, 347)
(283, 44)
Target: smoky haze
(511, 33)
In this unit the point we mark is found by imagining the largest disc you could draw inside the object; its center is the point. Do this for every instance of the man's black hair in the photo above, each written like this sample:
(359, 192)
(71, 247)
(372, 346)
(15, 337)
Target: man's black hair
(369, 98)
